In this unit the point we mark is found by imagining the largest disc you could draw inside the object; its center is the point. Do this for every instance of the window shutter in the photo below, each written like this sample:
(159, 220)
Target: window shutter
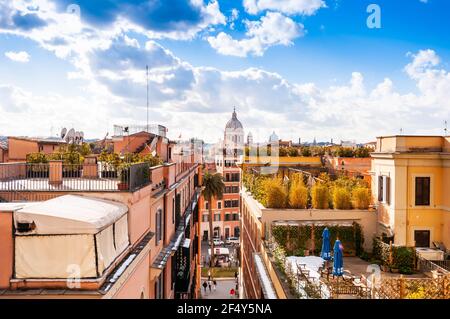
(380, 188)
(388, 190)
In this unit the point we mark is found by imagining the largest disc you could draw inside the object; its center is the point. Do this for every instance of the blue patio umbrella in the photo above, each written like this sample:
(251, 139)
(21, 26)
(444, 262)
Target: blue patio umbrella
(338, 260)
(326, 249)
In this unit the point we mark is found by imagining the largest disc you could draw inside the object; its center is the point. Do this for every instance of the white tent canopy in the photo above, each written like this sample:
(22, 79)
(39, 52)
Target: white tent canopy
(74, 235)
(70, 214)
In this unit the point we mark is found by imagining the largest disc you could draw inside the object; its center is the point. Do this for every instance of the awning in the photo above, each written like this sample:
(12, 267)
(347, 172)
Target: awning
(264, 279)
(187, 243)
(70, 214)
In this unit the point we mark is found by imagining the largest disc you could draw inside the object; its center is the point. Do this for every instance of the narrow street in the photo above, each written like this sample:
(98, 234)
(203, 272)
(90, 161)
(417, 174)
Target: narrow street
(222, 290)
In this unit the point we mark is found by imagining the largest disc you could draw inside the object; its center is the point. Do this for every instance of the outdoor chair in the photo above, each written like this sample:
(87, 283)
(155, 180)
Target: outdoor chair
(347, 276)
(441, 246)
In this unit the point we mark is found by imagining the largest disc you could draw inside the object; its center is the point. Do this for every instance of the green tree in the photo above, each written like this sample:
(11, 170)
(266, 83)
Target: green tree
(293, 152)
(213, 187)
(306, 151)
(282, 151)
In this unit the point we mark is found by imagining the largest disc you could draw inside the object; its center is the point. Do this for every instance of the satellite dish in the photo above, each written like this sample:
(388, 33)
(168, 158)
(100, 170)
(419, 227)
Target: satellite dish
(70, 136)
(63, 132)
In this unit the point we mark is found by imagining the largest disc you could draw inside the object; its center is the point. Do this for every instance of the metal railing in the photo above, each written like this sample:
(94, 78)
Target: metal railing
(439, 266)
(20, 177)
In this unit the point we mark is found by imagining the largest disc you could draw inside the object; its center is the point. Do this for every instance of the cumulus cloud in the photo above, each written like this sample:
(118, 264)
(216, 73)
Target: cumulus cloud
(159, 18)
(21, 56)
(272, 29)
(290, 7)
(183, 97)
(22, 18)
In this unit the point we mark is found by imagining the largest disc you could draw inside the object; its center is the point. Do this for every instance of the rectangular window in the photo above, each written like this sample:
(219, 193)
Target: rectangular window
(219, 205)
(159, 230)
(217, 217)
(235, 216)
(204, 217)
(159, 287)
(173, 210)
(422, 238)
(384, 189)
(227, 217)
(422, 191)
(206, 205)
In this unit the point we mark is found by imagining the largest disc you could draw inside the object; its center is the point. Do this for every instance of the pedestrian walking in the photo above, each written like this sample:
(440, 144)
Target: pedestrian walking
(209, 286)
(235, 275)
(205, 285)
(214, 284)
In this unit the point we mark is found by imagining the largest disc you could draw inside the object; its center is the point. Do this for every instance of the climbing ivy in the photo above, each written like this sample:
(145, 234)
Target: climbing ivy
(295, 239)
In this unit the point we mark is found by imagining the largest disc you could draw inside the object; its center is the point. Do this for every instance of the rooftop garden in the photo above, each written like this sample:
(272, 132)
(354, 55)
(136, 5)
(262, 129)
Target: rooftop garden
(324, 192)
(308, 151)
(74, 155)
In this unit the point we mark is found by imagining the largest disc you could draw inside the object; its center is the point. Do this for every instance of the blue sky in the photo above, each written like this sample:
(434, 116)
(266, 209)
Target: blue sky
(304, 68)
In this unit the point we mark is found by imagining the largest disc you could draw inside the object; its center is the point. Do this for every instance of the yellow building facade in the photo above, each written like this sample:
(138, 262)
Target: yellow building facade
(411, 186)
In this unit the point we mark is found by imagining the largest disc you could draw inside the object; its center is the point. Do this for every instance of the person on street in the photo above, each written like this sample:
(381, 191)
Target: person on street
(209, 286)
(214, 284)
(205, 285)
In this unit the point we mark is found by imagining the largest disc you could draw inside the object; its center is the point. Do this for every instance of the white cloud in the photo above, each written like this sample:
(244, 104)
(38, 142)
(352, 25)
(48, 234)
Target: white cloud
(198, 100)
(290, 7)
(21, 56)
(272, 29)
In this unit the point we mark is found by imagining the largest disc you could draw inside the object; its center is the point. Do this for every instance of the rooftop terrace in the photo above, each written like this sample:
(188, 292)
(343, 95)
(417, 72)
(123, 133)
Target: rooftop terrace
(56, 176)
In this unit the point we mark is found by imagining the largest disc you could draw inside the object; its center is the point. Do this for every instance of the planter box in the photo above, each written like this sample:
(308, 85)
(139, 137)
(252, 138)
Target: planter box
(122, 186)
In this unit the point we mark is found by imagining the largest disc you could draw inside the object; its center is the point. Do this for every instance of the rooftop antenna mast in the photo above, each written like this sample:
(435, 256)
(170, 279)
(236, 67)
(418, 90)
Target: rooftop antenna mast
(445, 128)
(146, 67)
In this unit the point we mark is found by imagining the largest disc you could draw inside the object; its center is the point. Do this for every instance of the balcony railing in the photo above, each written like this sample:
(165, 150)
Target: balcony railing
(56, 176)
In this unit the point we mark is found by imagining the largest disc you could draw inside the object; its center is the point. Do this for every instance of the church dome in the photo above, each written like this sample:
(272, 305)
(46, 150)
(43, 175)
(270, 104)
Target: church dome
(234, 123)
(273, 137)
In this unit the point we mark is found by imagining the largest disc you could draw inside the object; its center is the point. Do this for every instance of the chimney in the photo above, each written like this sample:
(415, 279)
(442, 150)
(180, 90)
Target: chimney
(90, 168)
(55, 172)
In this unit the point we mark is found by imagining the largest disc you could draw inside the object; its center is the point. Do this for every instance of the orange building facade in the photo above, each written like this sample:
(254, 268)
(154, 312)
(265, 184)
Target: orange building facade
(226, 210)
(160, 207)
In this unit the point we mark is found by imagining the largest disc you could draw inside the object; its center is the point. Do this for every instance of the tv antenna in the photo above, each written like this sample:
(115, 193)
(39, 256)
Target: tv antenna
(146, 67)
(445, 128)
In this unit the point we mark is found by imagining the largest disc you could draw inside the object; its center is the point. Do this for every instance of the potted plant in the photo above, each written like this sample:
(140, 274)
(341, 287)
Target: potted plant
(124, 173)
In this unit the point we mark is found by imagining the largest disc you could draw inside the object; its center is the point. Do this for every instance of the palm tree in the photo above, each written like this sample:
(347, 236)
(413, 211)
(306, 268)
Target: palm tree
(213, 187)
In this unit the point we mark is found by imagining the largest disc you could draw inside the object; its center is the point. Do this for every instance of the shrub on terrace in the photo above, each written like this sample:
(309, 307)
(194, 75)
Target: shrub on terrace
(341, 198)
(361, 197)
(298, 193)
(320, 196)
(275, 194)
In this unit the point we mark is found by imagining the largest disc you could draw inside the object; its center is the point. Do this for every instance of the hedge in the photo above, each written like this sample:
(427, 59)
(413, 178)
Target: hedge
(402, 258)
(295, 239)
